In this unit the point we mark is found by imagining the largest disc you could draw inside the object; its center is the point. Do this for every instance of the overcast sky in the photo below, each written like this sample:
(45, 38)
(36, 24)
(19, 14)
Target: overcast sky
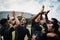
(32, 6)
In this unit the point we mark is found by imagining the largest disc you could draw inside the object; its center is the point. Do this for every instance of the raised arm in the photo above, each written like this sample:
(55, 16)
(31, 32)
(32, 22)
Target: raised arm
(46, 17)
(16, 20)
(41, 18)
(40, 13)
(35, 16)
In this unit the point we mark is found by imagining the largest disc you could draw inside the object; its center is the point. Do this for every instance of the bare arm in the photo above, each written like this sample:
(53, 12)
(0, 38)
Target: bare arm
(46, 17)
(17, 21)
(40, 13)
(34, 17)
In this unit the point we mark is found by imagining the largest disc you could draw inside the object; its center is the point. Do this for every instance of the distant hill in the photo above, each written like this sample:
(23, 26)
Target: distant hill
(3, 14)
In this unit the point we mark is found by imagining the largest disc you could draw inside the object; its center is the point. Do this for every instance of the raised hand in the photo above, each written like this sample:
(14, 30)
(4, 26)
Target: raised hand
(42, 8)
(44, 12)
(46, 17)
(16, 20)
(14, 14)
(47, 12)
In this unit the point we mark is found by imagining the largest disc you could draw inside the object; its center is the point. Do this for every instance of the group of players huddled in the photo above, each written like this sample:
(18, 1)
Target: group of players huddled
(41, 29)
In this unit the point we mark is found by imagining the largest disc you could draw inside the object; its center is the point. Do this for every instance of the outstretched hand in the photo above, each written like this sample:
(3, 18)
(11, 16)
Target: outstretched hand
(44, 12)
(47, 12)
(42, 8)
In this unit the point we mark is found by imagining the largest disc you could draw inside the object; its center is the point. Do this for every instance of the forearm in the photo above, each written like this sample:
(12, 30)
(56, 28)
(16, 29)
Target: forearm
(40, 13)
(35, 16)
(16, 20)
(46, 18)
(41, 18)
(17, 23)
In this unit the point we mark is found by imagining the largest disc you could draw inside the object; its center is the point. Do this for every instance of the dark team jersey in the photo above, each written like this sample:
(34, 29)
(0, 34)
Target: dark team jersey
(6, 33)
(21, 32)
(35, 26)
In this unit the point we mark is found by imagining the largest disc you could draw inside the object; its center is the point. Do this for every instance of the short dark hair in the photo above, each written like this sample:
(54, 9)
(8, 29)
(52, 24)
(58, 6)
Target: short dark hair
(56, 26)
(3, 21)
(55, 20)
